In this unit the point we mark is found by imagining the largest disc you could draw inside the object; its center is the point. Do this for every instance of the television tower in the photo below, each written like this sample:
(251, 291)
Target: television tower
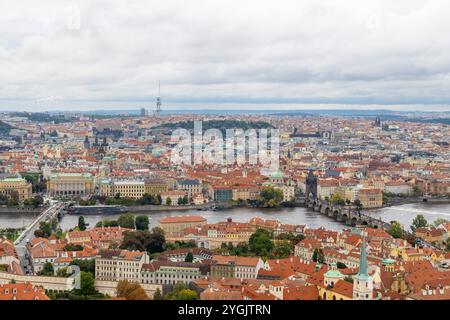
(158, 99)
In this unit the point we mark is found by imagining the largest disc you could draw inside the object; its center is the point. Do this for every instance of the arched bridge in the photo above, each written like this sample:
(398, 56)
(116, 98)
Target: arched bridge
(348, 214)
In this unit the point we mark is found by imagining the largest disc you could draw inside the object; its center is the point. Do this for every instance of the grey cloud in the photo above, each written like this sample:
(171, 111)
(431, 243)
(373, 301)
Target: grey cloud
(216, 50)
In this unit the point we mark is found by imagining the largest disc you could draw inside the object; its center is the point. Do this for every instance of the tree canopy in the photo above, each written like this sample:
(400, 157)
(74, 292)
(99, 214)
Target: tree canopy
(131, 291)
(144, 240)
(142, 222)
(126, 220)
(419, 222)
(396, 230)
(260, 242)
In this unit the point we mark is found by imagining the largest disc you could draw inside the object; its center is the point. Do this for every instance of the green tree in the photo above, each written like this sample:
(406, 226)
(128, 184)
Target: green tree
(157, 295)
(440, 221)
(318, 256)
(61, 272)
(181, 292)
(126, 220)
(73, 247)
(81, 223)
(337, 200)
(419, 222)
(189, 257)
(187, 294)
(85, 265)
(45, 230)
(395, 230)
(87, 286)
(142, 222)
(147, 199)
(107, 223)
(291, 237)
(168, 201)
(47, 269)
(260, 242)
(37, 201)
(282, 249)
(271, 197)
(157, 241)
(144, 240)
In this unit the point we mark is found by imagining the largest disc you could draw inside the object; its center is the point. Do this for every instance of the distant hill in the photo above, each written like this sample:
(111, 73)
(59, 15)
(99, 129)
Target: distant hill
(42, 117)
(221, 125)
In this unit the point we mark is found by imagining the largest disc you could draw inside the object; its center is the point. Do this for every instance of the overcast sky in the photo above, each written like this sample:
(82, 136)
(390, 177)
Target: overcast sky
(105, 54)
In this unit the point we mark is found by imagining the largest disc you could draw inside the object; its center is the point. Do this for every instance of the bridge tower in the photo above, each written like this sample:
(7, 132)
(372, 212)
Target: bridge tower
(311, 186)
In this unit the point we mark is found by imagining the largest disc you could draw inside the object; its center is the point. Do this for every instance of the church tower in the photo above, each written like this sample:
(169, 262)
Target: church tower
(363, 283)
(87, 144)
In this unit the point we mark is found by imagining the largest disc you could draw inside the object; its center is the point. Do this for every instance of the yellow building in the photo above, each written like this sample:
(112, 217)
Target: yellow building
(134, 189)
(411, 254)
(16, 187)
(172, 226)
(347, 193)
(370, 198)
(155, 186)
(245, 193)
(70, 184)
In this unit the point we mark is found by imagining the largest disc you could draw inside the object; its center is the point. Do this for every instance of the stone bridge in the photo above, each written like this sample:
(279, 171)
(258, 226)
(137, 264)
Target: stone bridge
(348, 214)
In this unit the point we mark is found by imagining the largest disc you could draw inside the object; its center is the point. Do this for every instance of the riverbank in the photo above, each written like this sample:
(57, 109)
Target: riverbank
(411, 200)
(22, 210)
(115, 209)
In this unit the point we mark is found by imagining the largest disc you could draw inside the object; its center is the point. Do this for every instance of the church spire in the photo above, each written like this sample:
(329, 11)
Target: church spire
(362, 272)
(363, 283)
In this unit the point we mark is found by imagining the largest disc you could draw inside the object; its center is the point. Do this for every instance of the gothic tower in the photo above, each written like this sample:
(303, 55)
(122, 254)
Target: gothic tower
(311, 185)
(87, 144)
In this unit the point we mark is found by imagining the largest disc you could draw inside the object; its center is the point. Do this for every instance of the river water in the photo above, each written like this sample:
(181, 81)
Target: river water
(403, 213)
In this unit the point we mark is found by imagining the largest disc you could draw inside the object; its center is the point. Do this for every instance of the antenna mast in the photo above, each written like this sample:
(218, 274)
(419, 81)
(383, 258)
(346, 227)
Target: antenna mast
(158, 99)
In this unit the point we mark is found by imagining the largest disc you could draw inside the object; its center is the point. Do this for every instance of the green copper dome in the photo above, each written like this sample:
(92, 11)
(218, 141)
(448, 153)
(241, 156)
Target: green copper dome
(387, 261)
(277, 175)
(333, 274)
